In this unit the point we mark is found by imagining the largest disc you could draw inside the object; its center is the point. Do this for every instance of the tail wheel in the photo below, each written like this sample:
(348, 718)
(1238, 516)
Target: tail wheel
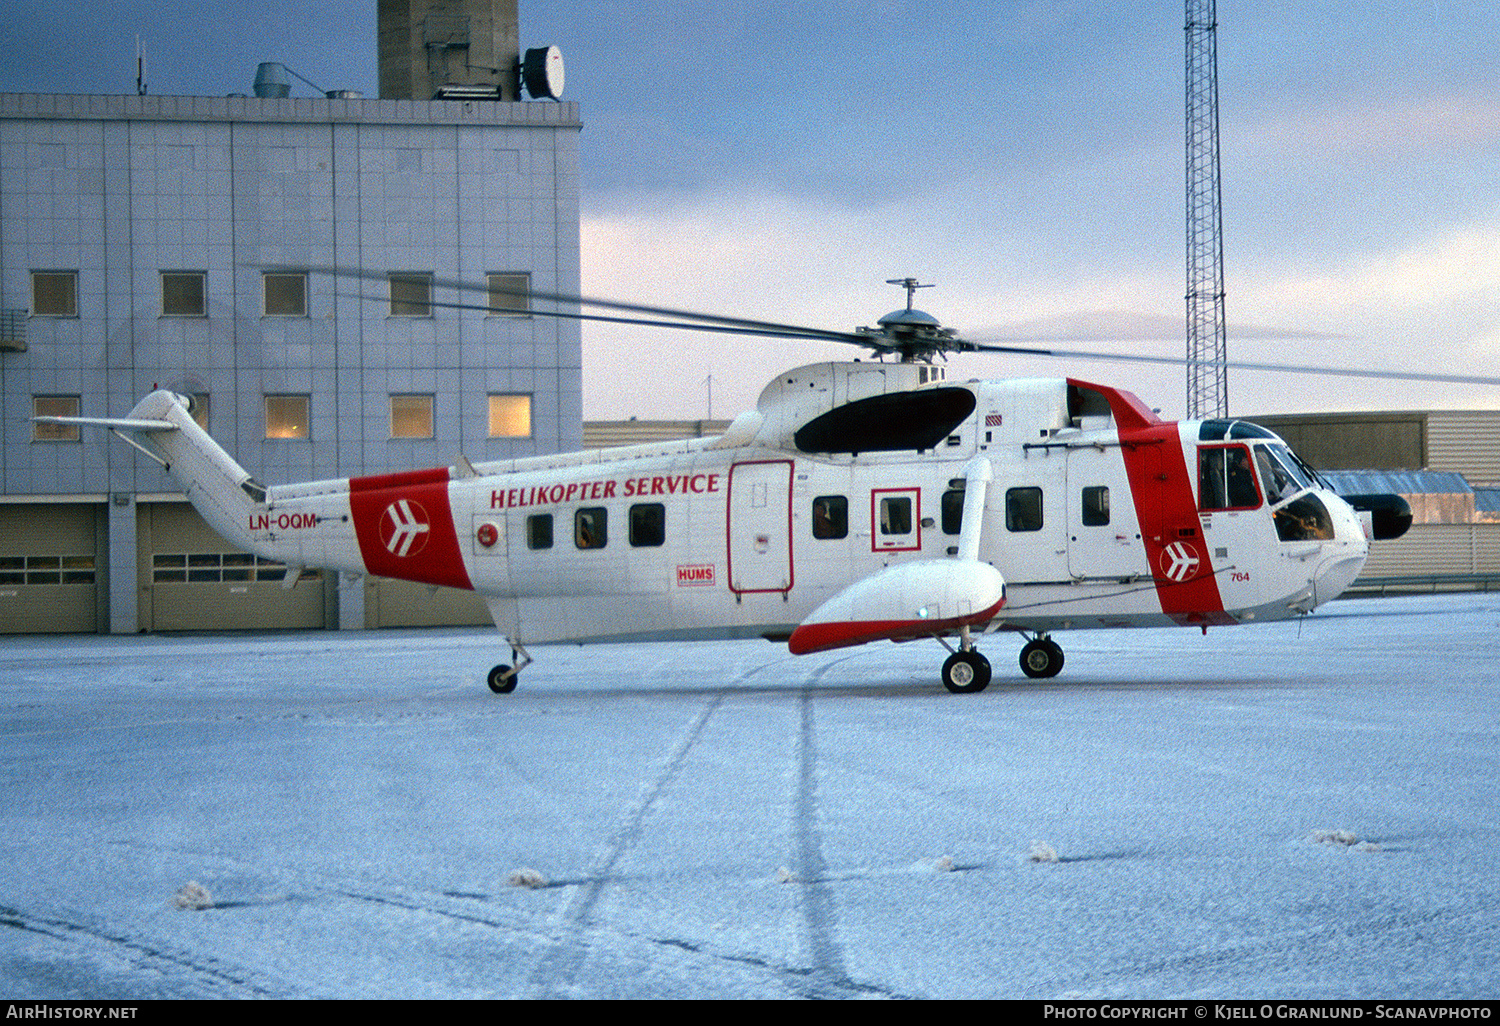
(502, 681)
(1042, 658)
(966, 672)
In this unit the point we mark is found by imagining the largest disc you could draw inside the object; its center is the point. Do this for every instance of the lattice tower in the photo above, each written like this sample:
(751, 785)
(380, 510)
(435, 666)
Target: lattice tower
(1207, 351)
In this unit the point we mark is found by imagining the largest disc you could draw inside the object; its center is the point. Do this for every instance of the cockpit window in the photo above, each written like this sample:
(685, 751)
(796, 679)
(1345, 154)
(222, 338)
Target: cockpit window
(1225, 478)
(1281, 474)
(1304, 519)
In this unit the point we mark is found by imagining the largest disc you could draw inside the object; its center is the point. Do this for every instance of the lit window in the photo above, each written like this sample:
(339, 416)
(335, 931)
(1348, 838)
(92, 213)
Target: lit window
(287, 416)
(285, 294)
(411, 416)
(510, 416)
(510, 294)
(411, 295)
(54, 293)
(184, 293)
(54, 406)
(199, 409)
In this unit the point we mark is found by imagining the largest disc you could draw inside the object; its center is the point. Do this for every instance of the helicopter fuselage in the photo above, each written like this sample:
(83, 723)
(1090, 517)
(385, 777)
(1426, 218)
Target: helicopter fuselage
(1095, 513)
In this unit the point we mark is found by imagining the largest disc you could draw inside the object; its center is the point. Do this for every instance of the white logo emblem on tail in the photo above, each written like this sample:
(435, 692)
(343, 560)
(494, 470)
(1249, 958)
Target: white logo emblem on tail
(404, 527)
(1179, 561)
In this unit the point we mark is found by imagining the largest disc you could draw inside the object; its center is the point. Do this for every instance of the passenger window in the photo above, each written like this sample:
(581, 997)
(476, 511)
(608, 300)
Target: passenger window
(1023, 509)
(895, 515)
(1225, 479)
(539, 531)
(648, 524)
(591, 527)
(1095, 506)
(953, 511)
(830, 516)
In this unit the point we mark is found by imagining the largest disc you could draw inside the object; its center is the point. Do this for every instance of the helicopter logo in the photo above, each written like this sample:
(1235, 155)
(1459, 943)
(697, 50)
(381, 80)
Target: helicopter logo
(1180, 562)
(404, 527)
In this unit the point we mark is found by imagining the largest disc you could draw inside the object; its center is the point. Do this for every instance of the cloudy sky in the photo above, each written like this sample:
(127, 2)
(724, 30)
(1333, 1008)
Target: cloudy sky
(781, 160)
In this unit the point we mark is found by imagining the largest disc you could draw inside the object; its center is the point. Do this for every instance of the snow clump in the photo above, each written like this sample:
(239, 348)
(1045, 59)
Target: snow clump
(192, 895)
(1347, 838)
(526, 878)
(1041, 851)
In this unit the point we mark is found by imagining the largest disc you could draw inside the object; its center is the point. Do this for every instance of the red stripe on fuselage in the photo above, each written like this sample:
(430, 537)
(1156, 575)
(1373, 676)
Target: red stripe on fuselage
(404, 524)
(1162, 489)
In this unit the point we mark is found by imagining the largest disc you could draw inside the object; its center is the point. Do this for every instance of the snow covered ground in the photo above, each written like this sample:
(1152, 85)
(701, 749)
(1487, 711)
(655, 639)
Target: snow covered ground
(1291, 810)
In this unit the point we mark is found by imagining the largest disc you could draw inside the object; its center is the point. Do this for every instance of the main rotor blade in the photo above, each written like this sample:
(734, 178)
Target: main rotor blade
(1285, 368)
(720, 329)
(729, 325)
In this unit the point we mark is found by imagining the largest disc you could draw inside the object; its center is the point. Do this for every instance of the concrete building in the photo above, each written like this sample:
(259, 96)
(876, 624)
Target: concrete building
(460, 45)
(178, 241)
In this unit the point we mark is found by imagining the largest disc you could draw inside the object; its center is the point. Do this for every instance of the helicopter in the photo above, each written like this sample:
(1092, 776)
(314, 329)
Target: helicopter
(859, 501)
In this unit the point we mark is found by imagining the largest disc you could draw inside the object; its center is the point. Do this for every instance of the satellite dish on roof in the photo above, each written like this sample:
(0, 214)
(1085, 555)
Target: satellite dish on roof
(542, 73)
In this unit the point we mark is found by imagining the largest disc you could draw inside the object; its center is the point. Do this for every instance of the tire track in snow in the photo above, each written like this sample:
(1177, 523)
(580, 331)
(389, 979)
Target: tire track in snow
(224, 979)
(557, 970)
(827, 976)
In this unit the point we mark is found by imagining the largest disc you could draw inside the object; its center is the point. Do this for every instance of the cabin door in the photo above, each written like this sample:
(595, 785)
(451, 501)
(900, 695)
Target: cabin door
(760, 527)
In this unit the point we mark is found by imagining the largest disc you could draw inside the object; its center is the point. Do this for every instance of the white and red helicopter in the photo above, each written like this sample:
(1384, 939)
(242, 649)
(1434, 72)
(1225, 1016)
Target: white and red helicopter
(858, 502)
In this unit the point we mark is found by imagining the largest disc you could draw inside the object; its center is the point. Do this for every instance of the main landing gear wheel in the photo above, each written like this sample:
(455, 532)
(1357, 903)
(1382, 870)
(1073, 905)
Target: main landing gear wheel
(502, 681)
(1042, 657)
(966, 672)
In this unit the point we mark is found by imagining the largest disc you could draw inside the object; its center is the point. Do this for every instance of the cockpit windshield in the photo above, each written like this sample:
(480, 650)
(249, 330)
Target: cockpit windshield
(1282, 474)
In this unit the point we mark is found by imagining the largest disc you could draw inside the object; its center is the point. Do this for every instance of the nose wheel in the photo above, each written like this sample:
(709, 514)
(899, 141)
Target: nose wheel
(1041, 657)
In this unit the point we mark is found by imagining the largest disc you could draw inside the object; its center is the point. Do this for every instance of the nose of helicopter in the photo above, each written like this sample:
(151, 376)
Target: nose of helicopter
(1343, 556)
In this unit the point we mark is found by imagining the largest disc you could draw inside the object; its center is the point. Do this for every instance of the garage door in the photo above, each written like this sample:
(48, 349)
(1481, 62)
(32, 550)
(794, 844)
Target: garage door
(50, 564)
(193, 580)
(392, 603)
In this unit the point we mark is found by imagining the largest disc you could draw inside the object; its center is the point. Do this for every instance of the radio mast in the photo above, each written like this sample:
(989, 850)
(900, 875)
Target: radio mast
(1207, 352)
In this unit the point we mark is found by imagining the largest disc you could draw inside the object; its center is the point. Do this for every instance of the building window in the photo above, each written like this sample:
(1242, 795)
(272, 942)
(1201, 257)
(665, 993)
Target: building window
(218, 568)
(184, 293)
(285, 293)
(411, 294)
(510, 416)
(54, 293)
(510, 294)
(591, 527)
(199, 409)
(47, 569)
(411, 416)
(287, 416)
(54, 406)
(648, 525)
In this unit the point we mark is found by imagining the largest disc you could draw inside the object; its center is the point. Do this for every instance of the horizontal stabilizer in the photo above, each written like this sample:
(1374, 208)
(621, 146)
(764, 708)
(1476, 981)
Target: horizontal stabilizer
(902, 603)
